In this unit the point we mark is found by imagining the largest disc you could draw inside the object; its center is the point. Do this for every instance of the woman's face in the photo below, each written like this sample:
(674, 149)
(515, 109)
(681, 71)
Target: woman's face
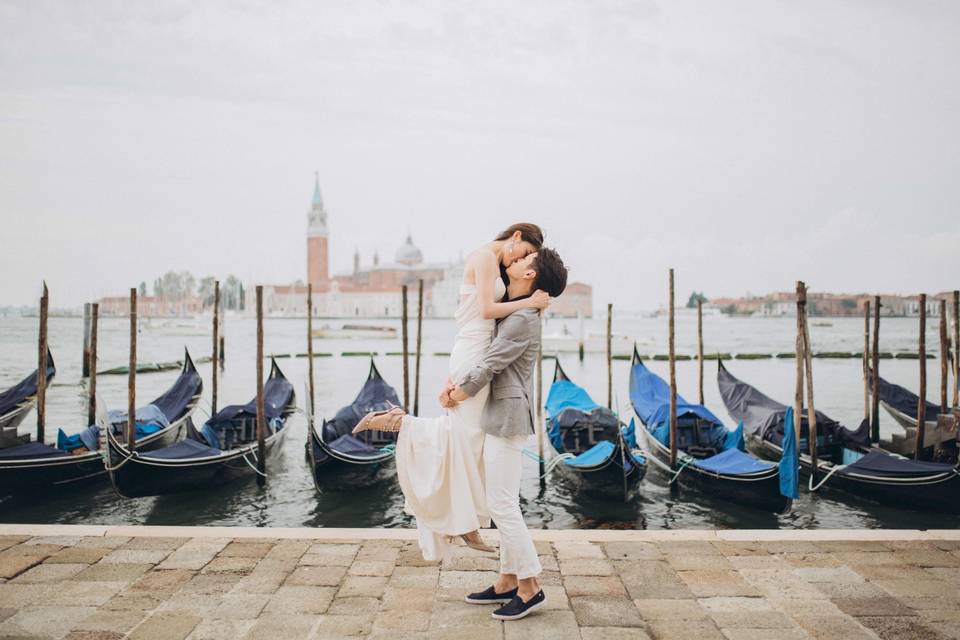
(516, 249)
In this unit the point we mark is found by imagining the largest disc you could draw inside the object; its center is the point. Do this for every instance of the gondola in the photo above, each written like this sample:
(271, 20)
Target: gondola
(224, 449)
(902, 405)
(16, 402)
(341, 460)
(589, 442)
(37, 465)
(710, 458)
(845, 459)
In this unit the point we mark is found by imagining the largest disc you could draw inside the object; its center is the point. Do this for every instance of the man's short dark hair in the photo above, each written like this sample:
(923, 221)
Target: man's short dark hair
(551, 274)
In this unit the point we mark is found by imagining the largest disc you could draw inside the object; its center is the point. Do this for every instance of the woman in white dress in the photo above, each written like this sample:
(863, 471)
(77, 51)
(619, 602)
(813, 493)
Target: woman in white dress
(438, 459)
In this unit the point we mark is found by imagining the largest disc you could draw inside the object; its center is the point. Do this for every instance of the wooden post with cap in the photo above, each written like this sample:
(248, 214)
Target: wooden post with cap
(875, 408)
(541, 425)
(700, 349)
(866, 361)
(610, 355)
(922, 399)
(673, 381)
(406, 350)
(944, 356)
(798, 390)
(85, 364)
(310, 350)
(956, 349)
(132, 375)
(808, 367)
(416, 366)
(261, 409)
(92, 366)
(42, 366)
(215, 360)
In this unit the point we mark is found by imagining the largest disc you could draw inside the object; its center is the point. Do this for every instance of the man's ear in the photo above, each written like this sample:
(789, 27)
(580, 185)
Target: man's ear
(529, 274)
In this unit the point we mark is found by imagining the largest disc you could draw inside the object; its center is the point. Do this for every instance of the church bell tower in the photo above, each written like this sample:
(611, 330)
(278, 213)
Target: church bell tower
(318, 253)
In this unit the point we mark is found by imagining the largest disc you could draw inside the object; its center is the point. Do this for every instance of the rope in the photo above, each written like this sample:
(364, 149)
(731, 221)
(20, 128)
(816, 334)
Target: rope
(825, 478)
(106, 462)
(250, 464)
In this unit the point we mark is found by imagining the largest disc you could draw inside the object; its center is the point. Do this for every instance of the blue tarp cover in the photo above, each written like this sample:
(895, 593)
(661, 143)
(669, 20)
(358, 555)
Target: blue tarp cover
(593, 456)
(565, 394)
(570, 407)
(789, 460)
(733, 461)
(31, 450)
(186, 448)
(89, 438)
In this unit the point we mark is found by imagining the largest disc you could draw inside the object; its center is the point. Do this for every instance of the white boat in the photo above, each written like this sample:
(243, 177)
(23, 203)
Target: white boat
(565, 341)
(352, 331)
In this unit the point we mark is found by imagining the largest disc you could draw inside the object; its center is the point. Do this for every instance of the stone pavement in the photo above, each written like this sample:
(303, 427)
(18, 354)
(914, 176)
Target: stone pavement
(144, 583)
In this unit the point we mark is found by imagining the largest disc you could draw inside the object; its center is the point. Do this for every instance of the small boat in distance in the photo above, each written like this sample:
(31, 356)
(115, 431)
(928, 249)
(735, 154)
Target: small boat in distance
(16, 402)
(355, 331)
(340, 460)
(595, 450)
(223, 450)
(709, 455)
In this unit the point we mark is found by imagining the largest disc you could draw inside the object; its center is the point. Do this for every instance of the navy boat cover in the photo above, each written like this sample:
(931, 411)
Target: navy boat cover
(354, 447)
(764, 417)
(277, 394)
(15, 395)
(376, 395)
(186, 448)
(176, 400)
(904, 401)
(32, 450)
(878, 463)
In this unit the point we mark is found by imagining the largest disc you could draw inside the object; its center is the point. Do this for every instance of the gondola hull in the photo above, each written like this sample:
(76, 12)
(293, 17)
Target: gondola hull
(759, 490)
(936, 492)
(331, 469)
(144, 476)
(606, 480)
(12, 420)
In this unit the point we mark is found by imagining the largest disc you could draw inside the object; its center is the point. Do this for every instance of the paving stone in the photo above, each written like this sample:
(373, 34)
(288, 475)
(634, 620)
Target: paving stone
(765, 620)
(106, 572)
(552, 578)
(51, 621)
(684, 630)
(685, 547)
(162, 581)
(632, 551)
(49, 573)
(245, 606)
(849, 590)
(586, 567)
(193, 559)
(857, 546)
(155, 543)
(61, 541)
(832, 574)
(473, 580)
(300, 600)
(75, 555)
(286, 626)
(884, 606)
(331, 626)
(354, 606)
(763, 634)
(317, 576)
(594, 586)
(93, 635)
(102, 542)
(415, 577)
(325, 560)
(905, 588)
(81, 594)
(401, 621)
(237, 564)
(891, 572)
(613, 633)
(829, 627)
(699, 563)
(377, 553)
(288, 550)
(670, 609)
(547, 563)
(726, 604)
(229, 629)
(124, 601)
(413, 558)
(12, 566)
(598, 611)
(245, 550)
(7, 541)
(326, 548)
(114, 621)
(556, 598)
(929, 558)
(371, 568)
(573, 550)
(652, 579)
(212, 583)
(260, 582)
(824, 560)
(867, 557)
(408, 599)
(43, 550)
(740, 548)
(136, 556)
(758, 562)
(6, 613)
(944, 601)
(478, 563)
(775, 583)
(453, 616)
(717, 583)
(362, 586)
(894, 628)
(544, 625)
(198, 604)
(802, 607)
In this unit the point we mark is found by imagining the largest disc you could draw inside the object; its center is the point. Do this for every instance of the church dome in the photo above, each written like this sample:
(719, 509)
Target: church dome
(408, 253)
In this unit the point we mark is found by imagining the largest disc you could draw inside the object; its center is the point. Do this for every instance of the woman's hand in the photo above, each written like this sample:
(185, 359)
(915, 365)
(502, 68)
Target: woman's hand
(539, 300)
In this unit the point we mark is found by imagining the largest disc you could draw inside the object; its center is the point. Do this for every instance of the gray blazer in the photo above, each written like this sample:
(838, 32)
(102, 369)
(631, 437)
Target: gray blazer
(508, 363)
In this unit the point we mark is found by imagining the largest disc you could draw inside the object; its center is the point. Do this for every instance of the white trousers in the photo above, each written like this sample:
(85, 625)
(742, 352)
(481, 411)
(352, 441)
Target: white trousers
(502, 462)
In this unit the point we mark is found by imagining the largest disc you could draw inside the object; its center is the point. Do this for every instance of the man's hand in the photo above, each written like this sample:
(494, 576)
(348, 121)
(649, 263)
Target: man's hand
(445, 400)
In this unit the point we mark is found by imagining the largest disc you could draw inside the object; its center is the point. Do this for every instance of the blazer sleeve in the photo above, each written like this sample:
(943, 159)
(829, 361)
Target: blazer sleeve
(513, 337)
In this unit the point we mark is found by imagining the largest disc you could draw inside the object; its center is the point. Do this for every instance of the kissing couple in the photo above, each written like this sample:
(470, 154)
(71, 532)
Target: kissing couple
(462, 469)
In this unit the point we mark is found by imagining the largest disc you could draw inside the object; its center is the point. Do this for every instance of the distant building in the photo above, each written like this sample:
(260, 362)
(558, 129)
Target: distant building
(151, 306)
(576, 299)
(828, 304)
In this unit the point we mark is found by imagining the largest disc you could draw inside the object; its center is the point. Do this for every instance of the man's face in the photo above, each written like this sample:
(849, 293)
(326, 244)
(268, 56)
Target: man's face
(522, 269)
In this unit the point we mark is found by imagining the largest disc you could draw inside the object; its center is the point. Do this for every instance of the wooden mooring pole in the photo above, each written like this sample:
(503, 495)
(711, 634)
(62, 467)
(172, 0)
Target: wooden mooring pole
(42, 366)
(673, 380)
(416, 366)
(580, 334)
(866, 361)
(700, 349)
(875, 370)
(944, 356)
(406, 349)
(610, 355)
(541, 425)
(92, 384)
(922, 400)
(215, 360)
(956, 349)
(85, 366)
(310, 350)
(808, 366)
(132, 375)
(261, 417)
(798, 390)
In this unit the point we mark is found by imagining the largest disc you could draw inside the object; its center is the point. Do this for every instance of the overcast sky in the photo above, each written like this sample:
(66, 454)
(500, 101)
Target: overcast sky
(746, 144)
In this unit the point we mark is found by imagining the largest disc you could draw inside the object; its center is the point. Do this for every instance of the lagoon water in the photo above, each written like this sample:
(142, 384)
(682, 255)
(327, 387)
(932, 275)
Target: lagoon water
(290, 499)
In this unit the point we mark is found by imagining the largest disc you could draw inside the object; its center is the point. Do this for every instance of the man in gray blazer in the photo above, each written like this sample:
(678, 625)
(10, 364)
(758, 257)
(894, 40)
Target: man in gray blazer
(508, 420)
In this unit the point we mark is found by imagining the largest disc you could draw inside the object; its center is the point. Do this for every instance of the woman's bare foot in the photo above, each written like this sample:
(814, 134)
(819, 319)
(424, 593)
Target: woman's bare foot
(389, 420)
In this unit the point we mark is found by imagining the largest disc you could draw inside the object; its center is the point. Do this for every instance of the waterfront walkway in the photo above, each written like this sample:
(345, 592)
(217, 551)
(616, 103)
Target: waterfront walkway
(81, 582)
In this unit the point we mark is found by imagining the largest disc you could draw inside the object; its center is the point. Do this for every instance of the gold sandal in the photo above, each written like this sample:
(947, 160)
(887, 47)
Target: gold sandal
(473, 544)
(389, 420)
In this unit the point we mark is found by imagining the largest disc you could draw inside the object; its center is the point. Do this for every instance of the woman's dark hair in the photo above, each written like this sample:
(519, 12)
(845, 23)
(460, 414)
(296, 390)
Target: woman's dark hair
(528, 233)
(551, 272)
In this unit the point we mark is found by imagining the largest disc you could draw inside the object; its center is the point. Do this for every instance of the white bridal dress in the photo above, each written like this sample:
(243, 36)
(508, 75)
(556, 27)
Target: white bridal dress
(438, 459)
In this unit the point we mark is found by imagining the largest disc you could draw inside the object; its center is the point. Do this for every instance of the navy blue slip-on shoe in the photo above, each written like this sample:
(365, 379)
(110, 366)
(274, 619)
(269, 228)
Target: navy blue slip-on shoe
(490, 596)
(517, 608)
